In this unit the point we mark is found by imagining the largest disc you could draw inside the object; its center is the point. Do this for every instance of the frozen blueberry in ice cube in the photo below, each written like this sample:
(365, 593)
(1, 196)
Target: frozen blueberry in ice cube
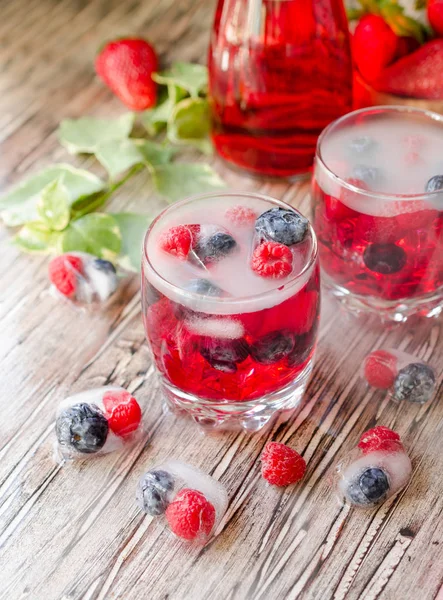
(204, 287)
(435, 184)
(385, 259)
(362, 145)
(153, 492)
(224, 354)
(215, 247)
(367, 174)
(368, 487)
(303, 345)
(273, 347)
(104, 265)
(282, 225)
(82, 427)
(415, 383)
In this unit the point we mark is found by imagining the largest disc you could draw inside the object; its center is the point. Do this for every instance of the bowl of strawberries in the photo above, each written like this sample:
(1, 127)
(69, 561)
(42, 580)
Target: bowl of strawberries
(398, 53)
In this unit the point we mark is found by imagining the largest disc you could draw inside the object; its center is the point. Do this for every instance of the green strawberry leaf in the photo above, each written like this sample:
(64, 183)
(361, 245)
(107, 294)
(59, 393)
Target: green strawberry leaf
(370, 6)
(53, 206)
(33, 237)
(19, 206)
(190, 124)
(179, 180)
(87, 133)
(95, 233)
(401, 24)
(155, 119)
(190, 77)
(354, 14)
(420, 4)
(132, 228)
(117, 156)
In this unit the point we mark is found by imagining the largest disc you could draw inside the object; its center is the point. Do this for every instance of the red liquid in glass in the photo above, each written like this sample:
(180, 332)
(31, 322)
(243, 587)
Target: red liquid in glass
(411, 242)
(178, 351)
(280, 71)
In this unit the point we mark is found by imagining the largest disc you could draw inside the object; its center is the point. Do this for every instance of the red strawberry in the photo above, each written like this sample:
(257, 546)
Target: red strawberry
(374, 46)
(63, 272)
(418, 75)
(122, 411)
(126, 67)
(435, 15)
(406, 45)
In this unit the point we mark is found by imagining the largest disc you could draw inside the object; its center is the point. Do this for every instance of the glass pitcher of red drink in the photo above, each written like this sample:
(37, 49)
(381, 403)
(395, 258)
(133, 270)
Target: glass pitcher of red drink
(280, 71)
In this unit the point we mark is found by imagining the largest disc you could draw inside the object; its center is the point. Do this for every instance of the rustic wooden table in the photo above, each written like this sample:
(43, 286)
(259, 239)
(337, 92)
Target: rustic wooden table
(75, 532)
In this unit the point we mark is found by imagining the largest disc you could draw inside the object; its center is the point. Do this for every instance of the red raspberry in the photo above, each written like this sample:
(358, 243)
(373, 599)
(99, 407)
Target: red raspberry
(241, 215)
(63, 272)
(271, 259)
(380, 438)
(281, 465)
(122, 411)
(179, 240)
(190, 515)
(380, 369)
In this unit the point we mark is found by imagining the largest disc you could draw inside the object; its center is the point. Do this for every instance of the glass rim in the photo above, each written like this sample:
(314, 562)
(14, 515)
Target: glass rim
(227, 301)
(394, 108)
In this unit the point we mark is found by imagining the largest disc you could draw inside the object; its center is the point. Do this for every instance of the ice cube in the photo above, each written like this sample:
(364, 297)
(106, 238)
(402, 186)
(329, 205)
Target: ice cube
(96, 421)
(192, 502)
(83, 278)
(374, 472)
(221, 327)
(407, 377)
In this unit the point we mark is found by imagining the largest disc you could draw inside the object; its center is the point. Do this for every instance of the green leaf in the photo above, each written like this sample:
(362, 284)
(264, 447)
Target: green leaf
(155, 119)
(117, 156)
(33, 237)
(19, 206)
(192, 78)
(96, 233)
(190, 124)
(420, 4)
(85, 134)
(53, 206)
(354, 13)
(178, 180)
(132, 228)
(401, 24)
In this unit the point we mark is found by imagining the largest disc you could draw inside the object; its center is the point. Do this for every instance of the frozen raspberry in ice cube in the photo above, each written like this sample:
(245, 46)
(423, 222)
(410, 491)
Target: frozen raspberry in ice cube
(380, 369)
(241, 216)
(190, 515)
(179, 240)
(122, 411)
(63, 273)
(272, 260)
(380, 438)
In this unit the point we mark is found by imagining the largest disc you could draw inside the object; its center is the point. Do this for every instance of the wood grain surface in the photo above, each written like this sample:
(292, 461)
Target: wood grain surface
(75, 532)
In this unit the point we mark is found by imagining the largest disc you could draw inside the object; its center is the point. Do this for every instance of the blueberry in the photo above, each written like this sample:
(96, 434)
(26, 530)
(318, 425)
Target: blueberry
(223, 354)
(273, 347)
(385, 259)
(83, 427)
(363, 144)
(153, 492)
(104, 265)
(435, 184)
(368, 487)
(204, 287)
(367, 174)
(414, 383)
(215, 247)
(303, 345)
(282, 226)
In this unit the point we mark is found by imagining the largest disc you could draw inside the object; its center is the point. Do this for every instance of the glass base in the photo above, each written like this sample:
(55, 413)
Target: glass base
(387, 310)
(249, 416)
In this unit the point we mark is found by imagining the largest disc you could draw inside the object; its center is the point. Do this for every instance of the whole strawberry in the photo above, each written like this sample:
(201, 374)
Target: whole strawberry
(418, 75)
(126, 67)
(435, 15)
(374, 46)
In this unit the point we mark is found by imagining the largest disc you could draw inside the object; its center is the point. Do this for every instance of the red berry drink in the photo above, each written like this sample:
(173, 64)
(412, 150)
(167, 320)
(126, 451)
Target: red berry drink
(279, 72)
(378, 210)
(231, 306)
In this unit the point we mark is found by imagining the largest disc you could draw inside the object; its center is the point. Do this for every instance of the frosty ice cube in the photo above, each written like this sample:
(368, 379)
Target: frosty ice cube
(97, 421)
(191, 502)
(82, 277)
(375, 471)
(407, 377)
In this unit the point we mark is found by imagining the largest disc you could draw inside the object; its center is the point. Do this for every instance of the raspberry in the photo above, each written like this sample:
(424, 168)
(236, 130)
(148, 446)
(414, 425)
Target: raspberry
(179, 240)
(190, 515)
(282, 465)
(271, 259)
(380, 369)
(122, 411)
(241, 215)
(63, 271)
(380, 438)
